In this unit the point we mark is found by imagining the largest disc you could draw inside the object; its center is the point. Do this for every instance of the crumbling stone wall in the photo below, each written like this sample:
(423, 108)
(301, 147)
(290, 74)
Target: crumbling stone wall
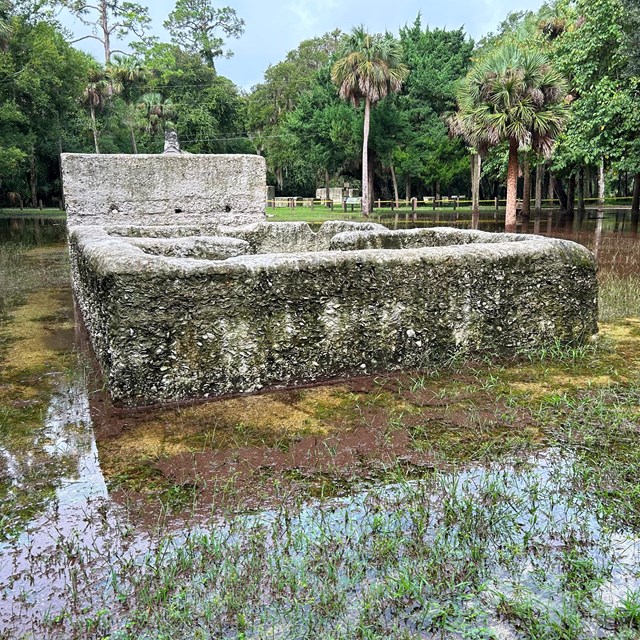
(163, 189)
(172, 323)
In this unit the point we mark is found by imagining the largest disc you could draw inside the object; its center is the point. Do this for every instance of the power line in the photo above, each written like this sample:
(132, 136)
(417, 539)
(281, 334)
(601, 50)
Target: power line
(239, 137)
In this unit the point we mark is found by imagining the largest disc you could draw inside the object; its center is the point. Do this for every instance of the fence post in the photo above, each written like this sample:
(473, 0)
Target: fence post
(379, 203)
(455, 203)
(344, 205)
(496, 202)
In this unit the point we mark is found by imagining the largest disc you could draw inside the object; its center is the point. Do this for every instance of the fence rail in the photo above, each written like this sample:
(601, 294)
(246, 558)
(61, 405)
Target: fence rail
(426, 203)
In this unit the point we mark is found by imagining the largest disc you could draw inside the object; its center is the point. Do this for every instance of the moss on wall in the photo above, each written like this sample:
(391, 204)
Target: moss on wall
(167, 328)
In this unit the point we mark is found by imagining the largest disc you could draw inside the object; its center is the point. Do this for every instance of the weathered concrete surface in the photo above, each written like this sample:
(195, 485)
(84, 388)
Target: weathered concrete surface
(166, 328)
(294, 237)
(163, 189)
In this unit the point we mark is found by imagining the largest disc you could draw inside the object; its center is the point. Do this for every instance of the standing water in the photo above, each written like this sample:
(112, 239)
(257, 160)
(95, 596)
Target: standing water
(505, 517)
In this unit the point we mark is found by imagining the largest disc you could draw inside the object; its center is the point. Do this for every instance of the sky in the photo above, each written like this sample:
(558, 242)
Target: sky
(275, 27)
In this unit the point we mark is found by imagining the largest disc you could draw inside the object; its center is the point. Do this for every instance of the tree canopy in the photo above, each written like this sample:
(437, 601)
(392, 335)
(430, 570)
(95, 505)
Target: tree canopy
(53, 97)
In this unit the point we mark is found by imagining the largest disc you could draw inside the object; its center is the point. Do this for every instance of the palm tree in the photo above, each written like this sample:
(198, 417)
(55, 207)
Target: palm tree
(6, 9)
(127, 75)
(370, 68)
(95, 93)
(158, 112)
(513, 94)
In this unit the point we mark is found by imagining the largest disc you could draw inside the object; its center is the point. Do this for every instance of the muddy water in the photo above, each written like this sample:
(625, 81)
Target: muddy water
(73, 468)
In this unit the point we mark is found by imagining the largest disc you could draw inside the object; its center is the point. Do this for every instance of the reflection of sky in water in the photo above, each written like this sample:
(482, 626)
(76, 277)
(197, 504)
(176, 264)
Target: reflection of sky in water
(69, 432)
(539, 503)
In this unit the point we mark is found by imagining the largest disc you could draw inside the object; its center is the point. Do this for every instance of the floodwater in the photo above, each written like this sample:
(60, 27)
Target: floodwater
(65, 480)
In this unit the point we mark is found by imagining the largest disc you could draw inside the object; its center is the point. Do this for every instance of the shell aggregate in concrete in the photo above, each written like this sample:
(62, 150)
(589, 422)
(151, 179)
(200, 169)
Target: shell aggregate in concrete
(203, 311)
(163, 189)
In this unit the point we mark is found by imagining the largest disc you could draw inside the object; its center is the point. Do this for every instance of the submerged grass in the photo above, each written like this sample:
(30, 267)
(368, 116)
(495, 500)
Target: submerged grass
(521, 520)
(526, 526)
(619, 297)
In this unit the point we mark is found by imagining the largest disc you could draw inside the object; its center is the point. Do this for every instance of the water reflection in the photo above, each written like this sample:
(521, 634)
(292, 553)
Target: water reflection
(35, 232)
(56, 464)
(54, 487)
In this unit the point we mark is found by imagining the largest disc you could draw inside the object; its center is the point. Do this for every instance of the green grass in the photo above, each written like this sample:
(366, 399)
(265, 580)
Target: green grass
(526, 523)
(619, 297)
(27, 212)
(533, 538)
(320, 213)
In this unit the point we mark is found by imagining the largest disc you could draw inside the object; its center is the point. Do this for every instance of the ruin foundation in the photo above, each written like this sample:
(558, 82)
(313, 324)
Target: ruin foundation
(205, 309)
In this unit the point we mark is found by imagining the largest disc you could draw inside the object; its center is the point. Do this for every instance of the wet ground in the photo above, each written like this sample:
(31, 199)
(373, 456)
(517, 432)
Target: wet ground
(86, 487)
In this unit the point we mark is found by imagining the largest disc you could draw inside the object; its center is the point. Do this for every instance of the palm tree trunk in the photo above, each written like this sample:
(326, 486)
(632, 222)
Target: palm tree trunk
(601, 183)
(366, 208)
(372, 175)
(512, 187)
(538, 196)
(134, 146)
(526, 192)
(395, 186)
(94, 128)
(476, 167)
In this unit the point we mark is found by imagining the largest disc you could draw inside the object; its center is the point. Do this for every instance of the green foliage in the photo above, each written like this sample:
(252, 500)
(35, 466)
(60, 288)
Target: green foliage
(370, 67)
(513, 93)
(42, 77)
(108, 19)
(194, 25)
(52, 96)
(291, 145)
(593, 54)
(437, 58)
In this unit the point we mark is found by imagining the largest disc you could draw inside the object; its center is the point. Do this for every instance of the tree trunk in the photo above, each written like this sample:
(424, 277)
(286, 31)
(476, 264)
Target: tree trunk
(372, 171)
(407, 189)
(601, 183)
(94, 128)
(33, 178)
(552, 188)
(581, 191)
(327, 186)
(635, 203)
(476, 168)
(538, 196)
(395, 186)
(134, 146)
(526, 191)
(597, 241)
(512, 187)
(366, 210)
(104, 25)
(561, 193)
(60, 171)
(436, 190)
(571, 195)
